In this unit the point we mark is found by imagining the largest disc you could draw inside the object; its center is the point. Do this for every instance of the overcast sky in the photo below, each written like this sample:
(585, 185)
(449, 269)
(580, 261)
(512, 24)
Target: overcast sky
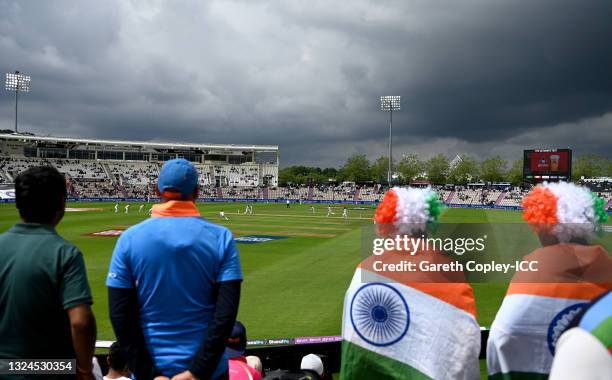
(480, 77)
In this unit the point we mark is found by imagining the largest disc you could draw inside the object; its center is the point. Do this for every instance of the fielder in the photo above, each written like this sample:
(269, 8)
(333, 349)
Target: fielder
(312, 208)
(116, 207)
(345, 213)
(329, 211)
(127, 209)
(141, 208)
(222, 215)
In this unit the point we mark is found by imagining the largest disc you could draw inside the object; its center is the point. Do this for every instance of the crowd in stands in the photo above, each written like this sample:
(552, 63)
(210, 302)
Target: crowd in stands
(95, 190)
(208, 192)
(371, 193)
(134, 173)
(290, 192)
(133, 179)
(81, 170)
(243, 193)
(344, 192)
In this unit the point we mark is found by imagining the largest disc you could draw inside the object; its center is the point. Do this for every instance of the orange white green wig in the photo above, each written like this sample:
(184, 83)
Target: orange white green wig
(565, 210)
(408, 211)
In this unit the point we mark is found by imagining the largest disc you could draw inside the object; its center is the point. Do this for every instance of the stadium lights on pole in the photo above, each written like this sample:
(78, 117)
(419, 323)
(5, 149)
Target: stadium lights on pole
(390, 103)
(17, 82)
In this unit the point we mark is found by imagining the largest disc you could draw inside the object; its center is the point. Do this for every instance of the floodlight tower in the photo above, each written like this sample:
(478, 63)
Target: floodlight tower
(17, 82)
(390, 103)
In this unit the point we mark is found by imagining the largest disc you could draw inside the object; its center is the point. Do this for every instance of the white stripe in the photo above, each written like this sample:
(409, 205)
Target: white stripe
(442, 341)
(518, 338)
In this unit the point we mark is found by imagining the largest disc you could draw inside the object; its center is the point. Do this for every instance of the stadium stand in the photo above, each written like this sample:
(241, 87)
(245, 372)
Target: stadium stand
(373, 193)
(127, 169)
(134, 173)
(112, 179)
(243, 193)
(120, 169)
(294, 193)
(334, 193)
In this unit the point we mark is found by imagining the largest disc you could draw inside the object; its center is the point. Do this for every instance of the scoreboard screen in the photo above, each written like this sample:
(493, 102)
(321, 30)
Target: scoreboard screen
(547, 165)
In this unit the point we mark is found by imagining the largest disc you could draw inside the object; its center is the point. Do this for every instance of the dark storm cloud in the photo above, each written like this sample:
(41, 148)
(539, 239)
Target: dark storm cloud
(477, 77)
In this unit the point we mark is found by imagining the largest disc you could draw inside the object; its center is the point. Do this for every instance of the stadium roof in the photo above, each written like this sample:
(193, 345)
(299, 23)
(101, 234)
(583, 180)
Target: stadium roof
(148, 144)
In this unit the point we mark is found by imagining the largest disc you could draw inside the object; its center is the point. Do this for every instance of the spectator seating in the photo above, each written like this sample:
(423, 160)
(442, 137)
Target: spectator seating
(136, 179)
(288, 193)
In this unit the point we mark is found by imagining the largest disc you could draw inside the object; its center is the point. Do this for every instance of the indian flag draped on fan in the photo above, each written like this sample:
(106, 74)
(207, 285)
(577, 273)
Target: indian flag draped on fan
(539, 306)
(394, 327)
(392, 330)
(522, 340)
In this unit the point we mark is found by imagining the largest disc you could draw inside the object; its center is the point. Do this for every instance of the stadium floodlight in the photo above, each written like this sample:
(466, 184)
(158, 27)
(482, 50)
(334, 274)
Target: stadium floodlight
(390, 103)
(19, 83)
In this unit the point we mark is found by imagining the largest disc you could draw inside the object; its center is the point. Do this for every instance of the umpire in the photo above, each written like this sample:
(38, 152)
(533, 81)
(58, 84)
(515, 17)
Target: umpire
(174, 285)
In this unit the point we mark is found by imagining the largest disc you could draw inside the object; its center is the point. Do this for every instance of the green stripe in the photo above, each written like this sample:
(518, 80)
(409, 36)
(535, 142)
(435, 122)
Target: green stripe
(603, 332)
(359, 363)
(519, 376)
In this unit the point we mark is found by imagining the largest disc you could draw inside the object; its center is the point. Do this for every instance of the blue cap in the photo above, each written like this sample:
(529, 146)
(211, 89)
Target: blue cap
(178, 175)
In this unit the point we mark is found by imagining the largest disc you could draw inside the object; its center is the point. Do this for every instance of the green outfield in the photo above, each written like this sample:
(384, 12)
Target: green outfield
(292, 286)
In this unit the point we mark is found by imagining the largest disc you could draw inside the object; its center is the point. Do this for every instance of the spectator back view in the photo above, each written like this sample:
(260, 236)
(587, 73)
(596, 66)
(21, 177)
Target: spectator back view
(311, 368)
(408, 325)
(571, 272)
(117, 363)
(239, 369)
(44, 294)
(174, 285)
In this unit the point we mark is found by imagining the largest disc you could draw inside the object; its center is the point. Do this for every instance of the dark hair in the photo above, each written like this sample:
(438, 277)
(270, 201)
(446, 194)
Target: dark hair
(117, 359)
(40, 192)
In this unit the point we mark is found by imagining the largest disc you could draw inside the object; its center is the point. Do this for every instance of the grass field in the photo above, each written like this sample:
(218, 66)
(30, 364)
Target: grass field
(292, 287)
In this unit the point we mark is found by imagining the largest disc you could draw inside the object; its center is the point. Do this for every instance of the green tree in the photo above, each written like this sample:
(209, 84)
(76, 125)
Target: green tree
(464, 171)
(515, 173)
(356, 169)
(327, 174)
(493, 169)
(589, 166)
(379, 169)
(437, 169)
(410, 167)
(303, 175)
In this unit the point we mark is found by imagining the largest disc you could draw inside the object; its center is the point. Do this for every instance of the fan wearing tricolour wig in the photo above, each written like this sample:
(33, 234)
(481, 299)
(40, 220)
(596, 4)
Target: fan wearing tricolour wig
(409, 324)
(564, 212)
(407, 211)
(571, 271)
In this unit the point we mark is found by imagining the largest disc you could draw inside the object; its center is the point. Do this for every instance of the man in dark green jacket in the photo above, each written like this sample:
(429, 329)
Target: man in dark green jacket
(45, 298)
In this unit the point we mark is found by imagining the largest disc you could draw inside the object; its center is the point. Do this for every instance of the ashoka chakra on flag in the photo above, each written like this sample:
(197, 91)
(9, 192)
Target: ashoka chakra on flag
(379, 314)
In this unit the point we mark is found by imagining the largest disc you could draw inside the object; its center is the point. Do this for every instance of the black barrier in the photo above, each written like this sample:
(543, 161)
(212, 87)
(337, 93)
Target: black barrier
(287, 354)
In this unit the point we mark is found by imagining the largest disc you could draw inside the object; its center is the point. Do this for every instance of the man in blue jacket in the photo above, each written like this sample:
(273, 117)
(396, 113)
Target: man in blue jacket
(174, 285)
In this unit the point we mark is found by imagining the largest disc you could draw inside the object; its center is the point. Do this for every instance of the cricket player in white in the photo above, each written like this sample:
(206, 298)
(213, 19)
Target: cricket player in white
(312, 208)
(329, 211)
(345, 213)
(248, 209)
(222, 215)
(116, 207)
(127, 208)
(141, 208)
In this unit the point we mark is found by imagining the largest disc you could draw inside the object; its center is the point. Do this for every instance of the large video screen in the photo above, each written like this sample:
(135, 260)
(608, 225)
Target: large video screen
(547, 165)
